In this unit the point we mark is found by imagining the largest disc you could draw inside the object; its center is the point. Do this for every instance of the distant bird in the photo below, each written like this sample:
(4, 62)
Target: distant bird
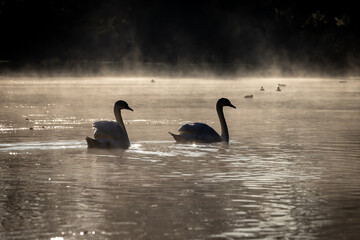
(110, 134)
(278, 89)
(262, 88)
(203, 133)
(152, 81)
(249, 96)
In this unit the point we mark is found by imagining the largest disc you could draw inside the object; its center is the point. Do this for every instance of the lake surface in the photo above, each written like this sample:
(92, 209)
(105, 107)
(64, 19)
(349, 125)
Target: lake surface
(290, 171)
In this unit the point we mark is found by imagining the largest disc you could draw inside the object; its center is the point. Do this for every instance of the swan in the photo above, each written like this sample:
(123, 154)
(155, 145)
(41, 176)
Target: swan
(203, 133)
(110, 134)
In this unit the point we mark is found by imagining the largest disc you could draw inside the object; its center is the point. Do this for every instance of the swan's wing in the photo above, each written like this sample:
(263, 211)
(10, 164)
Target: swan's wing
(199, 132)
(197, 128)
(109, 130)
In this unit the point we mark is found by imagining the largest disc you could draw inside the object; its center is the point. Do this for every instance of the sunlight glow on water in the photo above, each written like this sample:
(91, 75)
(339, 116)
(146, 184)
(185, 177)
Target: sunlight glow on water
(291, 169)
(41, 145)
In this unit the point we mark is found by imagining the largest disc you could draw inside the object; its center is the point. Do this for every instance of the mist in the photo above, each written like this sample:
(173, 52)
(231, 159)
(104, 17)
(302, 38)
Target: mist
(179, 38)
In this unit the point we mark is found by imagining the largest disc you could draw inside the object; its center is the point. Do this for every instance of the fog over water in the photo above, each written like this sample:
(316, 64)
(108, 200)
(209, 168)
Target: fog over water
(291, 169)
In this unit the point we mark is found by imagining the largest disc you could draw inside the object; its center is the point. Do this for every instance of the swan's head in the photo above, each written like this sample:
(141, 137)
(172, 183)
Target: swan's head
(122, 105)
(222, 102)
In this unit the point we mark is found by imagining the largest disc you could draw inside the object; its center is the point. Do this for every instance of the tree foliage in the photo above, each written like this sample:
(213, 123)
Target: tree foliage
(227, 34)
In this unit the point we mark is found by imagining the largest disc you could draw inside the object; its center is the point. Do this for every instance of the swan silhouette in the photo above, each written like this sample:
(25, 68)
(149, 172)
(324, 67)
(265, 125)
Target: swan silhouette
(110, 134)
(203, 133)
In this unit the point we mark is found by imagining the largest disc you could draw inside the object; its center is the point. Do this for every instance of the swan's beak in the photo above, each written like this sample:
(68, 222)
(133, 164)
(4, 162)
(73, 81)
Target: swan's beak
(232, 106)
(129, 108)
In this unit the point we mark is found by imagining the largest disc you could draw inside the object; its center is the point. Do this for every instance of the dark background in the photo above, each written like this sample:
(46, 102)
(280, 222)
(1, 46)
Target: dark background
(179, 37)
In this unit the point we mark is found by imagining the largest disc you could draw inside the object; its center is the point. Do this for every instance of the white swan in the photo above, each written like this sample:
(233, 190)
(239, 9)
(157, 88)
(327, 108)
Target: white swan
(203, 133)
(110, 134)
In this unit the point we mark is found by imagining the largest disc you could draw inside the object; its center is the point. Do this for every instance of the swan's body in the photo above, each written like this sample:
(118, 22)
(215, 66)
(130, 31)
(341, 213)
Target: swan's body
(196, 132)
(203, 133)
(110, 134)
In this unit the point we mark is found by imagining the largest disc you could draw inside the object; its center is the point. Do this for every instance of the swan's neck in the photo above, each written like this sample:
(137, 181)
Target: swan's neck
(119, 119)
(224, 128)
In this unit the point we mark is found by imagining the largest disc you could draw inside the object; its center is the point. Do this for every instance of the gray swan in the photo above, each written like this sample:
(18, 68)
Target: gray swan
(110, 134)
(203, 133)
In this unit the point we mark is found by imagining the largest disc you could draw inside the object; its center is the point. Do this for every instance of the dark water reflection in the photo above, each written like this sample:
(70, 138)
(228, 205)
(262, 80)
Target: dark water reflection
(291, 170)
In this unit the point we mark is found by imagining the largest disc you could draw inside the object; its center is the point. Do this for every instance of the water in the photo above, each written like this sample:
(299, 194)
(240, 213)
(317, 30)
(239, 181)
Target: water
(291, 170)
